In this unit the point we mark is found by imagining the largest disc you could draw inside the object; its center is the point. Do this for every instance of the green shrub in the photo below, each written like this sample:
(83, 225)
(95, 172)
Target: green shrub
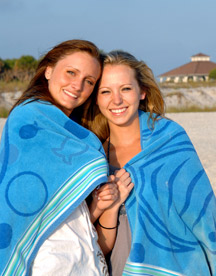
(212, 74)
(3, 112)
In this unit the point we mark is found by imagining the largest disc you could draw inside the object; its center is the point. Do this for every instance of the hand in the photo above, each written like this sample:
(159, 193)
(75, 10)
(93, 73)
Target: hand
(123, 181)
(106, 195)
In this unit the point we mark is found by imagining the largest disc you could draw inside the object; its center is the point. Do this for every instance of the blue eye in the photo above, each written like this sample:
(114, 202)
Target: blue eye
(89, 82)
(71, 72)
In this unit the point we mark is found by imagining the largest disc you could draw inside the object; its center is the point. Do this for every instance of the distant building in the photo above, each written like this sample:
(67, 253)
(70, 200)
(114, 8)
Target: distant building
(196, 70)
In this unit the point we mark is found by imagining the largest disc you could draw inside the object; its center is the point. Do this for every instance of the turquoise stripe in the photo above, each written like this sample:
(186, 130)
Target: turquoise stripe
(143, 269)
(65, 197)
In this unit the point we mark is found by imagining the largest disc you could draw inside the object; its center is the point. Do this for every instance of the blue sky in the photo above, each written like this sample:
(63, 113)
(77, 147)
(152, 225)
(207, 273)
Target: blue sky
(163, 33)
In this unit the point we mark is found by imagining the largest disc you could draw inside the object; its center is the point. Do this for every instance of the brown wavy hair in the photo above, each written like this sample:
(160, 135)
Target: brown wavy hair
(153, 103)
(38, 86)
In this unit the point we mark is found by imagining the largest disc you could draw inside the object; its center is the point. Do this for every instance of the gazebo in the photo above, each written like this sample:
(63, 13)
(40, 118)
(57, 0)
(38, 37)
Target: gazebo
(196, 70)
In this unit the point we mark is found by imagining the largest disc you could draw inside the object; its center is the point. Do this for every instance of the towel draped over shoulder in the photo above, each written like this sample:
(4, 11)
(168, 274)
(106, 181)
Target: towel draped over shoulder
(48, 165)
(172, 208)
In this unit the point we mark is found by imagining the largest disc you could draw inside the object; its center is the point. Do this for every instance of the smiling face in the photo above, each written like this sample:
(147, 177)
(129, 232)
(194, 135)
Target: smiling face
(72, 80)
(119, 95)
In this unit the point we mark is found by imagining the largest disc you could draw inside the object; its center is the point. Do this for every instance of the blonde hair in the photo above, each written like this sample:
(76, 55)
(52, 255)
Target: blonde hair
(153, 103)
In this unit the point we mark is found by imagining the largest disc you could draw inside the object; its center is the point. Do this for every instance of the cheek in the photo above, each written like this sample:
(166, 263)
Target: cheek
(88, 93)
(50, 87)
(137, 97)
(100, 102)
(53, 86)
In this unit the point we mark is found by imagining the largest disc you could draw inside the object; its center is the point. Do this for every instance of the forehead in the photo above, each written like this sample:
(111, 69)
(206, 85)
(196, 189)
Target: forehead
(76, 57)
(79, 60)
(118, 71)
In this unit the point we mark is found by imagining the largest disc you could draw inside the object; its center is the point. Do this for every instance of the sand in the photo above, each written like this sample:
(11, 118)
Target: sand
(201, 128)
(2, 122)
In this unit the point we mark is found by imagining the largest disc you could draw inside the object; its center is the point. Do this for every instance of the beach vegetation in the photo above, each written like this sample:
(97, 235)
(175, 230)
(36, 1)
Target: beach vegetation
(21, 69)
(198, 84)
(212, 74)
(4, 112)
(192, 108)
(13, 86)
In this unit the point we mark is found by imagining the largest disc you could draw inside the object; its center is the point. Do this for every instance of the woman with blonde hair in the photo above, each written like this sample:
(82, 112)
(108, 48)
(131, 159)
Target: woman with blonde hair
(171, 210)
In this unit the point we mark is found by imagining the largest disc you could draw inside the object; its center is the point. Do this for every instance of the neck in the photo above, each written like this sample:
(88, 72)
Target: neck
(124, 135)
(124, 143)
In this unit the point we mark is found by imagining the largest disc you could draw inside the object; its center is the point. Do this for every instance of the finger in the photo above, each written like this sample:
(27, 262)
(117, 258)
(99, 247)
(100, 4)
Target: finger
(125, 176)
(119, 173)
(112, 190)
(111, 178)
(124, 183)
(107, 186)
(109, 197)
(130, 186)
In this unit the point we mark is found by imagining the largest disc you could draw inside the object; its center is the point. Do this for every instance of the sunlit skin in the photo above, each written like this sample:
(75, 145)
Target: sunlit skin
(119, 95)
(72, 80)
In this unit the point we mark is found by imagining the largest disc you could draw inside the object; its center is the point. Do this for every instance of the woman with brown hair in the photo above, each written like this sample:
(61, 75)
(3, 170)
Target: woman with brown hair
(49, 164)
(167, 224)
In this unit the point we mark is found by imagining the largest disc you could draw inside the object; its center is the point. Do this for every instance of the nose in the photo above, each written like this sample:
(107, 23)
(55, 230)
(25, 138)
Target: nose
(117, 98)
(77, 84)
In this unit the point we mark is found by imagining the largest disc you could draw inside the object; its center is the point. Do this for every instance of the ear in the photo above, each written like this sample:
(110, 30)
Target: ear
(48, 72)
(142, 95)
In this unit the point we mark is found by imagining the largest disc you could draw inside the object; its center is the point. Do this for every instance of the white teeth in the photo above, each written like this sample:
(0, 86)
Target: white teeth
(70, 94)
(118, 110)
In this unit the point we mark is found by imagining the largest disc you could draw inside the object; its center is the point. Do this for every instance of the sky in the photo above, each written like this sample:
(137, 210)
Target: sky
(163, 33)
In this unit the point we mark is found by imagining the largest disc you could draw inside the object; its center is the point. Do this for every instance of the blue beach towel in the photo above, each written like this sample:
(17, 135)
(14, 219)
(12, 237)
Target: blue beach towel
(172, 208)
(48, 165)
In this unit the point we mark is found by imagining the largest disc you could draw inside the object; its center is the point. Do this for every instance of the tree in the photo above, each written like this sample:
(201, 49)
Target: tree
(25, 67)
(26, 63)
(1, 65)
(212, 74)
(9, 63)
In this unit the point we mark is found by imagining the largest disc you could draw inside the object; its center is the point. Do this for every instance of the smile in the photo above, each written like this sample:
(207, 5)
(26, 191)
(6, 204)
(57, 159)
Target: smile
(70, 94)
(118, 111)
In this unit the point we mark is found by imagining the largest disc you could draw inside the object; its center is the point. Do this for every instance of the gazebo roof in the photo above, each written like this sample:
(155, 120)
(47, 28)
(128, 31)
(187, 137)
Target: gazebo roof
(200, 55)
(202, 67)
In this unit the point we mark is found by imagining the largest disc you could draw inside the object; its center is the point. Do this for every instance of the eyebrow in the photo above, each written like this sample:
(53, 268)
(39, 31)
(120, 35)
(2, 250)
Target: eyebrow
(107, 87)
(89, 76)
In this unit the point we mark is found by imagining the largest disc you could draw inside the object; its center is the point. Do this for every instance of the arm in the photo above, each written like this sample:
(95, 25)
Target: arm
(108, 221)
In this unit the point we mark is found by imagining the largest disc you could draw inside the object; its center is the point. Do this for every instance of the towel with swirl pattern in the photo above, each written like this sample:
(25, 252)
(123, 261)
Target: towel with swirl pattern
(172, 208)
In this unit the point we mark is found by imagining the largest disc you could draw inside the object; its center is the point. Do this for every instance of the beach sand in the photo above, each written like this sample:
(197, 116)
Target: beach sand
(201, 128)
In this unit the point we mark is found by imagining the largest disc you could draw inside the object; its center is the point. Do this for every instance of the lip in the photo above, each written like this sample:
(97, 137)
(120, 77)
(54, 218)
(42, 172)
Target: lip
(118, 111)
(70, 94)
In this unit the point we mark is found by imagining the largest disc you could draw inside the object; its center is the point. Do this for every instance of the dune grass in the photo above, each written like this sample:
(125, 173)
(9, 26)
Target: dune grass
(190, 109)
(13, 86)
(187, 84)
(3, 112)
